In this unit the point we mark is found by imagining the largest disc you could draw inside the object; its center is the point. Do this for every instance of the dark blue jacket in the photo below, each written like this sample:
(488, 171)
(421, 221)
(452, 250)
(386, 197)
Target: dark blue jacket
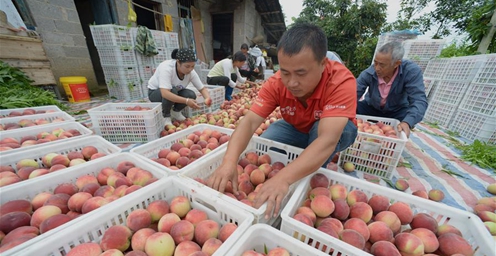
(407, 91)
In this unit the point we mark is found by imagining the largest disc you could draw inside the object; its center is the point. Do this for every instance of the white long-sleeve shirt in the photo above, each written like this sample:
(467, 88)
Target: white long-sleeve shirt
(225, 67)
(166, 77)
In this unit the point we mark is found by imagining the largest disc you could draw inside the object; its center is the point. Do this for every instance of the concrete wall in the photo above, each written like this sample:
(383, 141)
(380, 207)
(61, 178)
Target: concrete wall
(204, 7)
(57, 22)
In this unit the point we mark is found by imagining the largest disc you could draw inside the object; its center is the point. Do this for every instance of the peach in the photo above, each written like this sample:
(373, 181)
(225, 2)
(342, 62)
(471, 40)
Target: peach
(378, 203)
(352, 237)
(409, 244)
(423, 220)
(18, 232)
(5, 181)
(74, 155)
(176, 146)
(358, 225)
(319, 180)
(204, 230)
(182, 231)
(124, 166)
(90, 188)
(26, 163)
(157, 209)
(252, 157)
(338, 191)
(307, 211)
(6, 168)
(77, 161)
(487, 216)
(186, 248)
(138, 239)
(53, 222)
(13, 220)
(56, 167)
(59, 200)
(342, 210)
(322, 205)
(85, 249)
(85, 179)
(97, 155)
(278, 166)
(245, 186)
(77, 201)
(257, 176)
(446, 228)
(391, 220)
(318, 191)
(488, 201)
(138, 219)
(111, 252)
(194, 216)
(165, 223)
(182, 161)
(336, 224)
(122, 181)
(66, 188)
(329, 230)
(24, 172)
(60, 159)
(264, 159)
(44, 213)
(379, 231)
(113, 177)
(384, 248)
(37, 173)
(361, 210)
(116, 237)
(421, 193)
(131, 189)
(491, 188)
(450, 244)
(436, 195)
(142, 177)
(356, 196)
(249, 168)
(184, 152)
(252, 253)
(403, 211)
(348, 167)
(163, 153)
(88, 151)
(135, 253)
(401, 184)
(226, 231)
(304, 219)
(104, 191)
(93, 204)
(19, 205)
(211, 245)
(180, 205)
(40, 199)
(159, 244)
(243, 162)
(428, 238)
(102, 176)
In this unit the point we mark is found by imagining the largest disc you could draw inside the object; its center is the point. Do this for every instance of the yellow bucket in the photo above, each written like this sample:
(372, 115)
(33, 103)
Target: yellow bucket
(76, 89)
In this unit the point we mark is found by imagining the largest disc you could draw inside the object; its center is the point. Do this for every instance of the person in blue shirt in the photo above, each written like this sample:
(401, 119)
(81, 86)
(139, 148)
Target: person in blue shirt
(395, 88)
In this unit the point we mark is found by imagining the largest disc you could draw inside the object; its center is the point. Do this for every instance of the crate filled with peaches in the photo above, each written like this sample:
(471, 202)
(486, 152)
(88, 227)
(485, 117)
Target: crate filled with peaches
(337, 213)
(169, 217)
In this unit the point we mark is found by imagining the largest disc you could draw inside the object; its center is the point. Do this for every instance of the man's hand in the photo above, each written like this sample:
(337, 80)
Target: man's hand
(273, 192)
(219, 179)
(403, 126)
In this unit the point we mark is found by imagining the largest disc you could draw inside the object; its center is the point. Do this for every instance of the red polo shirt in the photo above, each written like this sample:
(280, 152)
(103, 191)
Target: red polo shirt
(335, 96)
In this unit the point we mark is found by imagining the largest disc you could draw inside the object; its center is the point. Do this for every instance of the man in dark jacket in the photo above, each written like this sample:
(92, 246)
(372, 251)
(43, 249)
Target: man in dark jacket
(395, 88)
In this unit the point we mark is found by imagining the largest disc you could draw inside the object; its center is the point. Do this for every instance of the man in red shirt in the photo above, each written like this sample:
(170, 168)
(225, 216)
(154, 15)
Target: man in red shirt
(318, 100)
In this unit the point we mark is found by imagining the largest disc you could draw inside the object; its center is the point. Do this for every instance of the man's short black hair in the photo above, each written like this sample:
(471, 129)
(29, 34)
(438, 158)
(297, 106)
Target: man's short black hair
(303, 35)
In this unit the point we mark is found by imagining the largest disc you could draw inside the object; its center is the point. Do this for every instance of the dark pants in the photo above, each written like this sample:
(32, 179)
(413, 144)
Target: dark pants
(363, 108)
(283, 132)
(224, 81)
(250, 75)
(167, 105)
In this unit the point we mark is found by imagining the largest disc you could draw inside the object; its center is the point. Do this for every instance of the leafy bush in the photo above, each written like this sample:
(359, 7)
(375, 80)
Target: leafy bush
(17, 91)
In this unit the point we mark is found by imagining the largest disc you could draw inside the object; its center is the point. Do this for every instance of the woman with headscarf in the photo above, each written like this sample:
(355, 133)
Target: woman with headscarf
(226, 73)
(168, 85)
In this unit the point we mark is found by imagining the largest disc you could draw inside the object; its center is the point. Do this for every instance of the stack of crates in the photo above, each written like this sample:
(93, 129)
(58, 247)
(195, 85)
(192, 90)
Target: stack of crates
(422, 51)
(451, 89)
(115, 46)
(475, 118)
(433, 74)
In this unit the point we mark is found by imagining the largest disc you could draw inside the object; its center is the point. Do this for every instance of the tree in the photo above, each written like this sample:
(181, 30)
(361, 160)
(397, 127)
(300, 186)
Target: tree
(348, 25)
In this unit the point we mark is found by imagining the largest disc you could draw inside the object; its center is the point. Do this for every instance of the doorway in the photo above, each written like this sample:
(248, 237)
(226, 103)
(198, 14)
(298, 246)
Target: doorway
(151, 20)
(222, 33)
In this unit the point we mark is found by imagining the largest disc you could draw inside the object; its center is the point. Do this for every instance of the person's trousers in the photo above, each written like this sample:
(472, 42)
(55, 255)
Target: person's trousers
(223, 81)
(167, 105)
(283, 132)
(363, 108)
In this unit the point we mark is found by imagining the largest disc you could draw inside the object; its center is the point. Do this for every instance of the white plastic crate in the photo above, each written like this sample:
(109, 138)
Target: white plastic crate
(450, 92)
(480, 98)
(117, 56)
(48, 117)
(217, 94)
(422, 63)
(111, 35)
(423, 48)
(29, 189)
(130, 73)
(151, 149)
(474, 126)
(375, 154)
(163, 55)
(203, 75)
(125, 89)
(463, 68)
(118, 125)
(487, 71)
(62, 148)
(92, 227)
(261, 236)
(430, 85)
(470, 225)
(18, 134)
(4, 113)
(171, 40)
(440, 113)
(203, 169)
(436, 67)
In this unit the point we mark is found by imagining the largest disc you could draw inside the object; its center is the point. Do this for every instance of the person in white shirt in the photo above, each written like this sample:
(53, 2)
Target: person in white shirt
(168, 85)
(226, 73)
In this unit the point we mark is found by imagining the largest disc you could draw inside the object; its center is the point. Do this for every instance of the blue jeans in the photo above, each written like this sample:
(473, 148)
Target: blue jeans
(283, 132)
